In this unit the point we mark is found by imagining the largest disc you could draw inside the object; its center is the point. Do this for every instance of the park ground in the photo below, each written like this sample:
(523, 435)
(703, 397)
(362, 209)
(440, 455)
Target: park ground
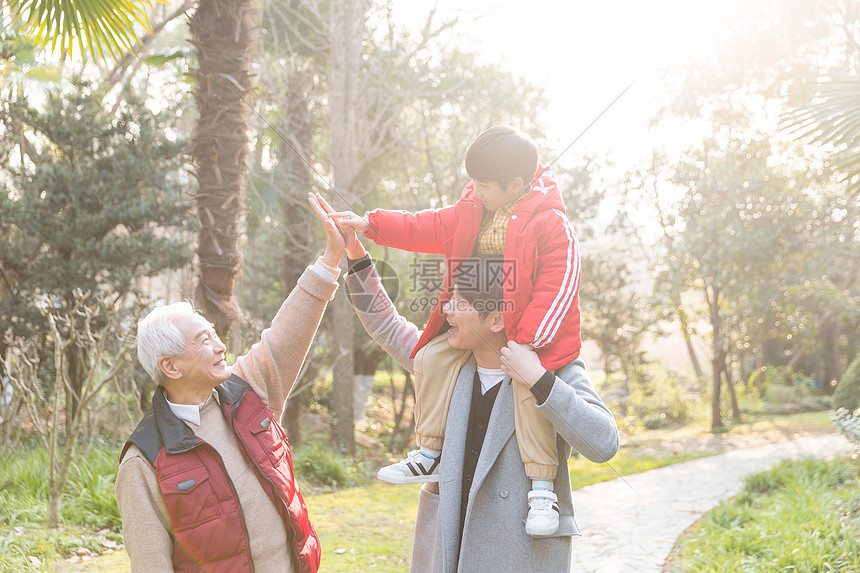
(370, 527)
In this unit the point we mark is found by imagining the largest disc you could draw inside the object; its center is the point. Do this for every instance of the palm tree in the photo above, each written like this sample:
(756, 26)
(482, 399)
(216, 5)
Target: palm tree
(224, 33)
(101, 28)
(832, 116)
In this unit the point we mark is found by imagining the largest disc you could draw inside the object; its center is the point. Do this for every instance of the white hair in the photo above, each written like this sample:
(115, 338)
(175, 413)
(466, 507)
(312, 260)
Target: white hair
(158, 336)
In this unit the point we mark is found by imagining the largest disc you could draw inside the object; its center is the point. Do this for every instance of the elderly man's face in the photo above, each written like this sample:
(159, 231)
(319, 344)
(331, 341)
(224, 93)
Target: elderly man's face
(204, 359)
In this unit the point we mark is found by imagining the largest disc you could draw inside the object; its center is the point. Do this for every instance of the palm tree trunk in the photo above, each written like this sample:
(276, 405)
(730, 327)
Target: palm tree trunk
(224, 34)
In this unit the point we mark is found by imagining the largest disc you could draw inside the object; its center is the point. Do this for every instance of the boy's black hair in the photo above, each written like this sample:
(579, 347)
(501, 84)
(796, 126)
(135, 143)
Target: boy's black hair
(501, 154)
(482, 282)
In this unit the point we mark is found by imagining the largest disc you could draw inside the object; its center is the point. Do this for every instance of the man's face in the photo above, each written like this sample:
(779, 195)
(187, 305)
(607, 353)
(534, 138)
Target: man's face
(468, 331)
(204, 359)
(493, 195)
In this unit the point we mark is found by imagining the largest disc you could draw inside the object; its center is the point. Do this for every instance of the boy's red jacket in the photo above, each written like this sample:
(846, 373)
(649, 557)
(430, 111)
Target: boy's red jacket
(541, 299)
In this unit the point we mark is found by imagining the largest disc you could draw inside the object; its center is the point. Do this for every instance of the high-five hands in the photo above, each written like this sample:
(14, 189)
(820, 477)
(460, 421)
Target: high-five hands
(325, 213)
(349, 220)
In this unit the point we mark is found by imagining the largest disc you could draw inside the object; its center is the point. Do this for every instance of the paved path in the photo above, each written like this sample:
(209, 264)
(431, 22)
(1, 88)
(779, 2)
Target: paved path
(633, 526)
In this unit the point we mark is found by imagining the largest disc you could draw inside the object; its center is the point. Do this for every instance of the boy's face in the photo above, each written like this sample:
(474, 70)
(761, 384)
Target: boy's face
(494, 196)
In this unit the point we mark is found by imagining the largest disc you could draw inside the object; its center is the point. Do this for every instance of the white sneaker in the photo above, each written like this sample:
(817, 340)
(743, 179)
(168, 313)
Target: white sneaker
(543, 512)
(416, 468)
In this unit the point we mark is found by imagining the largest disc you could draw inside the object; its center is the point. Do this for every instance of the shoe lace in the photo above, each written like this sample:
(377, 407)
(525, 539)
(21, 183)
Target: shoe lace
(541, 503)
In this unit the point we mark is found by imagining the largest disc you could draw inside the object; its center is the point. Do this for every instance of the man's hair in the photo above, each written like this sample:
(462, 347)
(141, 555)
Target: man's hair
(501, 154)
(481, 281)
(158, 336)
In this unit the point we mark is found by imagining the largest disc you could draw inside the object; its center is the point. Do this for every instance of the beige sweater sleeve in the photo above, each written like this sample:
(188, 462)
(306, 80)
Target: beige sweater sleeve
(273, 364)
(145, 523)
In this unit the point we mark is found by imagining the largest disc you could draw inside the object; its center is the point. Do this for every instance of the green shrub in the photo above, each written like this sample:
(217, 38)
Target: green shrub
(804, 471)
(786, 394)
(848, 423)
(657, 398)
(89, 499)
(847, 393)
(322, 466)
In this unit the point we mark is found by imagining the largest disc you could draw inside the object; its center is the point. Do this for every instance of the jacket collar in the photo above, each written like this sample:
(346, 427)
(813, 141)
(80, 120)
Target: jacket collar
(543, 195)
(499, 431)
(231, 390)
(451, 469)
(175, 434)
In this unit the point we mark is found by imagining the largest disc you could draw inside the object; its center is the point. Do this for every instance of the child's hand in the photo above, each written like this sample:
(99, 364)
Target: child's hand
(347, 220)
(354, 248)
(521, 363)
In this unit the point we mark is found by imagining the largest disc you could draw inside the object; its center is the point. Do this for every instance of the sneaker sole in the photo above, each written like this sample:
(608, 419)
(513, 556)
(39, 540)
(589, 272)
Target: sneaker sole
(532, 531)
(400, 480)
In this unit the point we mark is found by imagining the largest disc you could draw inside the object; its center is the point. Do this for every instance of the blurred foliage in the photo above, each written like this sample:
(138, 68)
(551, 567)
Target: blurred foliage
(659, 399)
(91, 200)
(848, 423)
(320, 465)
(847, 393)
(99, 28)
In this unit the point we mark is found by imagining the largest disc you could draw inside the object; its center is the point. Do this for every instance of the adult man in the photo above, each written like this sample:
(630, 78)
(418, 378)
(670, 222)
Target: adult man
(206, 480)
(475, 521)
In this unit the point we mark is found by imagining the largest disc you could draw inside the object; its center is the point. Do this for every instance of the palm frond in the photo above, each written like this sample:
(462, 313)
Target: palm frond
(101, 29)
(830, 114)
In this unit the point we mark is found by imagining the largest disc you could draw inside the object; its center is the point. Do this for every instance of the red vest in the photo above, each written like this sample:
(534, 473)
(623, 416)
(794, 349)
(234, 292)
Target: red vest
(207, 525)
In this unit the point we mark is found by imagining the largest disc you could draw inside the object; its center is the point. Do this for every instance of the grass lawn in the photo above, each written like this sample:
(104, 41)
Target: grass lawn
(370, 528)
(365, 528)
(802, 515)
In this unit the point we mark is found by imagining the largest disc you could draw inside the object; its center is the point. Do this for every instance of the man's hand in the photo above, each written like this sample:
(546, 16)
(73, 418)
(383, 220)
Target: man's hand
(334, 240)
(521, 363)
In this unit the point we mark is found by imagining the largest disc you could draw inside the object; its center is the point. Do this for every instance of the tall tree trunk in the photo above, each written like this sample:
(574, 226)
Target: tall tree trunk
(716, 362)
(347, 26)
(366, 364)
(77, 373)
(298, 236)
(733, 395)
(224, 34)
(344, 378)
(688, 340)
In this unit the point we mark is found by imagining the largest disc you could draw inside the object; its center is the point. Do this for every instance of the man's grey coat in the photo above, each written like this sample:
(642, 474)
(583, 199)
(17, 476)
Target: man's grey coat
(494, 536)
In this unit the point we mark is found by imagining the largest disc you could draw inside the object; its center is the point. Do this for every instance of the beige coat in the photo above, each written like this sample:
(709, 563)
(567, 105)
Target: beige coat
(494, 537)
(271, 368)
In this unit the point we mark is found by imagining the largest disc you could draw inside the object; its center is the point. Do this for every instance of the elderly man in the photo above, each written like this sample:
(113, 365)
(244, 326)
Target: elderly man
(206, 481)
(474, 520)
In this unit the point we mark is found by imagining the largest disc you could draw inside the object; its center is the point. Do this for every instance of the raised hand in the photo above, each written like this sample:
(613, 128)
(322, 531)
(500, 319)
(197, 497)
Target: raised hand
(335, 243)
(354, 248)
